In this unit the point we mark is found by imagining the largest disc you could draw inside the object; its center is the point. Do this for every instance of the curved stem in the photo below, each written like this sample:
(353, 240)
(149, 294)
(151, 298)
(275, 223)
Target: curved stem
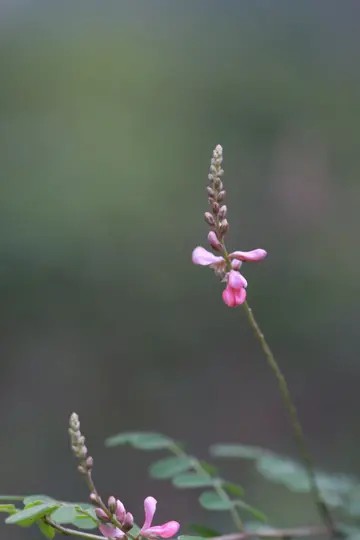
(294, 419)
(217, 487)
(72, 532)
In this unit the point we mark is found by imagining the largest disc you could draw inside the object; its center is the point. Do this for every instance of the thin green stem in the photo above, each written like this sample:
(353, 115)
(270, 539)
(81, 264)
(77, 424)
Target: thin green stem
(72, 532)
(294, 419)
(179, 452)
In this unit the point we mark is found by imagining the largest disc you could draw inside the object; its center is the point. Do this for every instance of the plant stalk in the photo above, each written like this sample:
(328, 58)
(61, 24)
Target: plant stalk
(294, 419)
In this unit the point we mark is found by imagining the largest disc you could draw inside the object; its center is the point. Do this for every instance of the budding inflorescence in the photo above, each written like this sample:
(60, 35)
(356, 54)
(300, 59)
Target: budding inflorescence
(226, 265)
(216, 218)
(78, 447)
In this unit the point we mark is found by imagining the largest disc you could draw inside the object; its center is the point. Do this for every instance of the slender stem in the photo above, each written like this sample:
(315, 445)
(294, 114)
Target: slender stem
(299, 532)
(217, 487)
(294, 419)
(72, 532)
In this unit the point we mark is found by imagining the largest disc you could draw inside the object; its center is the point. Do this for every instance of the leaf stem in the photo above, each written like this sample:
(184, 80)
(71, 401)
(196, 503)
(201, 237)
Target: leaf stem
(294, 419)
(179, 452)
(72, 532)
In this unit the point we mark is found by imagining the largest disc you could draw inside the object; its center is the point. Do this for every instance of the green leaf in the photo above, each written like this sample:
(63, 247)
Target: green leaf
(168, 467)
(351, 532)
(233, 489)
(8, 508)
(30, 514)
(257, 514)
(11, 498)
(236, 451)
(37, 498)
(188, 537)
(285, 471)
(46, 529)
(142, 441)
(67, 513)
(209, 468)
(84, 522)
(213, 501)
(205, 532)
(193, 480)
(86, 509)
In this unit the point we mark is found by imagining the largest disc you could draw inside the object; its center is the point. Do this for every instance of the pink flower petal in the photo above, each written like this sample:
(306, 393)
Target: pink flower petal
(233, 297)
(109, 531)
(120, 511)
(240, 296)
(101, 514)
(167, 530)
(229, 297)
(204, 257)
(236, 280)
(235, 264)
(213, 240)
(249, 256)
(150, 508)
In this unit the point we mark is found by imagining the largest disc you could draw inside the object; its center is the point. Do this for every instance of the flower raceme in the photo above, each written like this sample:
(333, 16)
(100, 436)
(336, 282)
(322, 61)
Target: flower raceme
(126, 520)
(234, 293)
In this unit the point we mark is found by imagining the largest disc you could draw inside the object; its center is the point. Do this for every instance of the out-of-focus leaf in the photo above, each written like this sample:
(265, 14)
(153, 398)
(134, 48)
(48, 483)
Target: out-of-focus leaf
(213, 501)
(233, 489)
(209, 468)
(257, 514)
(205, 532)
(8, 508)
(169, 467)
(193, 480)
(188, 537)
(142, 441)
(236, 451)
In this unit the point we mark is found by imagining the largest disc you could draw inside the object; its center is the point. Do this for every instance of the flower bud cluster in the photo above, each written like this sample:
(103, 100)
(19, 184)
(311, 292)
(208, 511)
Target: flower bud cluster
(216, 218)
(115, 512)
(78, 447)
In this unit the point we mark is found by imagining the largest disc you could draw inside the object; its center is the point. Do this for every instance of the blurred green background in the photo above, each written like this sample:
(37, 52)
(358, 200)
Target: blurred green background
(109, 112)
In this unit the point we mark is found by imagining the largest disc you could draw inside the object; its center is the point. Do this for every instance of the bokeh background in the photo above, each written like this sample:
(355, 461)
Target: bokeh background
(109, 112)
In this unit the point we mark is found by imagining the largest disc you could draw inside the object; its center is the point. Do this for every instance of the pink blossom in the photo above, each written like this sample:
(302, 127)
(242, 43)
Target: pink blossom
(107, 529)
(110, 531)
(166, 530)
(234, 293)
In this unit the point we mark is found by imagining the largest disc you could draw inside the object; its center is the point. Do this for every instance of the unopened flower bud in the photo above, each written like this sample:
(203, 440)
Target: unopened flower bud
(210, 191)
(215, 207)
(218, 185)
(224, 226)
(89, 462)
(221, 196)
(94, 499)
(222, 212)
(209, 219)
(112, 504)
(214, 241)
(81, 469)
(101, 514)
(128, 522)
(120, 511)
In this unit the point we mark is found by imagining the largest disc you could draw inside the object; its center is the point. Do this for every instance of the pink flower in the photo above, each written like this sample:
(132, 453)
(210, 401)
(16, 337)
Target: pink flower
(107, 529)
(234, 293)
(110, 531)
(166, 530)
